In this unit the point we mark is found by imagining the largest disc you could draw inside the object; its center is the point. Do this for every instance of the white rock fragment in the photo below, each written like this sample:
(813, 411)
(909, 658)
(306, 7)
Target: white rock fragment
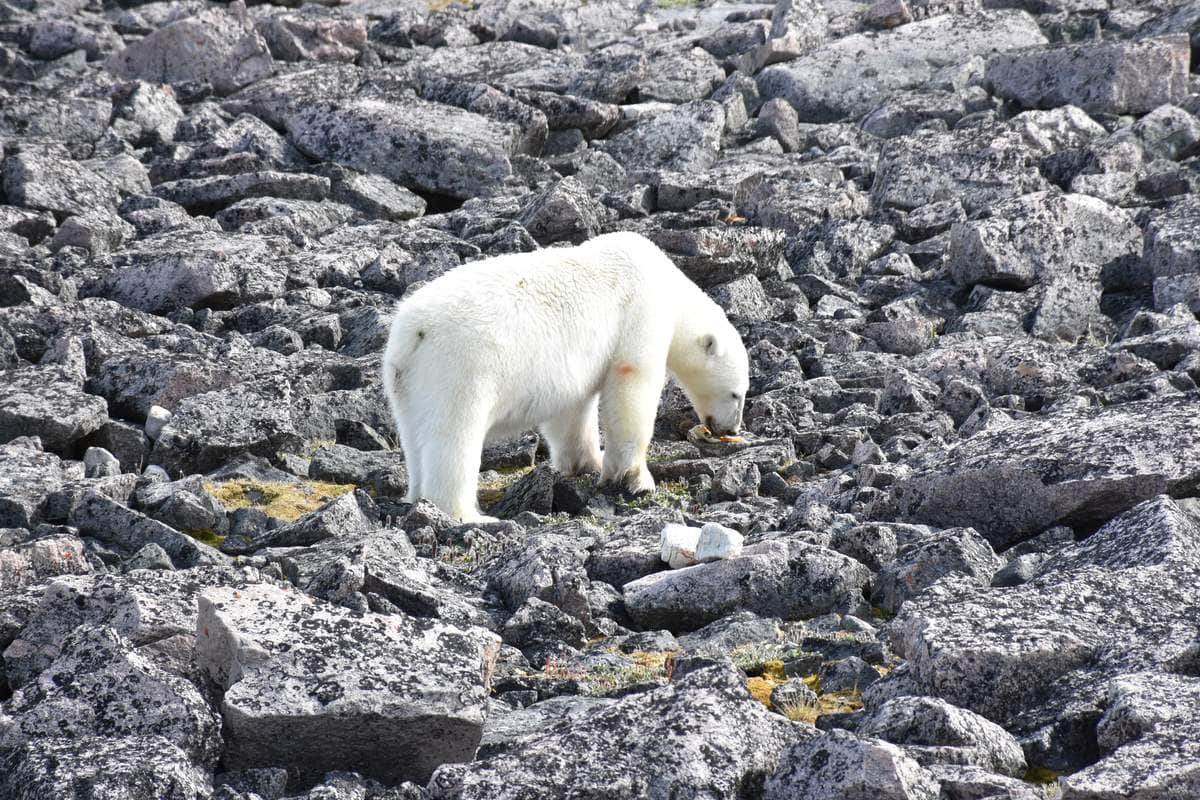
(156, 419)
(678, 545)
(717, 543)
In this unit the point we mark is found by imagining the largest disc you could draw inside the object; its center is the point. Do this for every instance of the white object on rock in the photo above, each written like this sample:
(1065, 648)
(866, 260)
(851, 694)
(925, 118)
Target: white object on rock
(717, 543)
(99, 463)
(678, 543)
(155, 420)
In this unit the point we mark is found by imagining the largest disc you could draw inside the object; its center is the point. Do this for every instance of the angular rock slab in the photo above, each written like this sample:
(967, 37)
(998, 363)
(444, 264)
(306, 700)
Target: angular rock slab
(135, 767)
(1077, 467)
(790, 580)
(700, 737)
(49, 404)
(101, 685)
(1110, 77)
(315, 688)
(1151, 724)
(29, 477)
(425, 146)
(841, 765)
(851, 76)
(214, 46)
(977, 167)
(145, 607)
(1123, 600)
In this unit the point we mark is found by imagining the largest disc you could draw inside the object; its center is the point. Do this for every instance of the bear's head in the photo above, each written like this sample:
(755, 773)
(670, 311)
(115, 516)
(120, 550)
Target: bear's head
(715, 376)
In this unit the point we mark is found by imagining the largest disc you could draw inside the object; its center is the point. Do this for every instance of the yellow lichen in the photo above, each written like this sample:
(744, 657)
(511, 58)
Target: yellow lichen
(761, 686)
(490, 491)
(278, 499)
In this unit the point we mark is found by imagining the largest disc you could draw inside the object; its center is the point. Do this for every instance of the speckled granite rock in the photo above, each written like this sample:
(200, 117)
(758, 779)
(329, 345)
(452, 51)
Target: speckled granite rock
(468, 154)
(1106, 77)
(313, 687)
(702, 734)
(1075, 466)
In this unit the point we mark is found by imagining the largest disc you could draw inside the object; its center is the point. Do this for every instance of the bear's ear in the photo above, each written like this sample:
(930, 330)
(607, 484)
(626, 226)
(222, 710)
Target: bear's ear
(708, 343)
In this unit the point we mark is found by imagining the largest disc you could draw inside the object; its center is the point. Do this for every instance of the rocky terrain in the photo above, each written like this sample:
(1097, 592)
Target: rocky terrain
(960, 238)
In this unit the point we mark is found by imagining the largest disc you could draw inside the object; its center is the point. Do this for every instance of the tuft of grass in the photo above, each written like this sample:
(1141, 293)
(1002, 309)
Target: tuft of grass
(647, 666)
(281, 500)
(798, 712)
(673, 3)
(206, 535)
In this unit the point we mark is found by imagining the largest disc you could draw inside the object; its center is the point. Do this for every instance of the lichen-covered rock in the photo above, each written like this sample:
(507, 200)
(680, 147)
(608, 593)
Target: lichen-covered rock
(425, 146)
(1101, 77)
(550, 566)
(101, 685)
(918, 564)
(1035, 237)
(313, 36)
(792, 580)
(686, 138)
(215, 46)
(112, 523)
(977, 167)
(1037, 658)
(144, 608)
(193, 270)
(562, 212)
(46, 178)
(37, 561)
(849, 77)
(1078, 466)
(841, 765)
(49, 403)
(703, 735)
(932, 731)
(339, 517)
(134, 767)
(313, 687)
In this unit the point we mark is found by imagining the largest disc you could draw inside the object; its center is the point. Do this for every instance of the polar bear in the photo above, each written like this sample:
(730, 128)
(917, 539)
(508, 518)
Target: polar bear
(559, 339)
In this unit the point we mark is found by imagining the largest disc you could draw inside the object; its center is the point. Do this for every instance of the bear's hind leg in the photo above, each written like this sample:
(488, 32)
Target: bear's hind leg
(628, 406)
(574, 439)
(409, 444)
(450, 465)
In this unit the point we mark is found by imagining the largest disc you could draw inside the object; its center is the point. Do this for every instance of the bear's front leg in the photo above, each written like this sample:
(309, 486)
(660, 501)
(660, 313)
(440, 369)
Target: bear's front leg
(628, 405)
(574, 439)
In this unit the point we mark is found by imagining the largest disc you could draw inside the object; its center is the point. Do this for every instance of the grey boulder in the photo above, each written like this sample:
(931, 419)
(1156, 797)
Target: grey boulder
(841, 765)
(787, 579)
(701, 736)
(313, 687)
(1110, 77)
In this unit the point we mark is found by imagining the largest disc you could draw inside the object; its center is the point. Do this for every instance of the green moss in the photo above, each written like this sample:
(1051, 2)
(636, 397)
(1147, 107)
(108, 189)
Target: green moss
(673, 3)
(1040, 775)
(206, 535)
(281, 500)
(667, 493)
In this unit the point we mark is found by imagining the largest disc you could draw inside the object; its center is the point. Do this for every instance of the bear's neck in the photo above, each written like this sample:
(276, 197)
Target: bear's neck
(697, 316)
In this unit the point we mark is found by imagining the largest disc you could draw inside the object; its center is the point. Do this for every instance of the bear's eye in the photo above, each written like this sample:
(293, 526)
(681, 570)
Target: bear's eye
(735, 396)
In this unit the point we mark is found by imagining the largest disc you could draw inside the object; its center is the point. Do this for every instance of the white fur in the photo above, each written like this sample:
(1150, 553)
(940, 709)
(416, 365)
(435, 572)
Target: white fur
(560, 339)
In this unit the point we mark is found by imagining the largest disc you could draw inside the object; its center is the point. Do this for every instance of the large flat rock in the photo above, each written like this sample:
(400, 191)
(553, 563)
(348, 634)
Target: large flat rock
(1038, 658)
(791, 580)
(703, 736)
(851, 76)
(424, 146)
(1077, 467)
(314, 688)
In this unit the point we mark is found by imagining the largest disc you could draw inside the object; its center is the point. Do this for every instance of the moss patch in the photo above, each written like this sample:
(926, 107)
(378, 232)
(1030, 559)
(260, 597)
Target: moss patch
(1040, 775)
(206, 535)
(281, 500)
(761, 686)
(668, 493)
